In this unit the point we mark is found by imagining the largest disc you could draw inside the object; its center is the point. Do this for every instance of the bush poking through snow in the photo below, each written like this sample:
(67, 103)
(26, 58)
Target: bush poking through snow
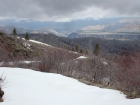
(1, 85)
(1, 95)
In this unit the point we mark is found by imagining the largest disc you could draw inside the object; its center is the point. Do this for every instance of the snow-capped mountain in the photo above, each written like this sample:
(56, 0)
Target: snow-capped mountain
(123, 25)
(47, 31)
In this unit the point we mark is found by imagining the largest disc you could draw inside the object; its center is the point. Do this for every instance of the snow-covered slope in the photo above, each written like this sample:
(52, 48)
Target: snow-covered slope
(39, 42)
(28, 87)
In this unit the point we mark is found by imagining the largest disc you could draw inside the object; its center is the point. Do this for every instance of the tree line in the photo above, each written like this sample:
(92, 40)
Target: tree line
(96, 49)
(15, 33)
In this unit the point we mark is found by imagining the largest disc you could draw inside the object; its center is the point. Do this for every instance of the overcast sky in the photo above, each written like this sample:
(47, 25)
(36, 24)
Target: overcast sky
(66, 10)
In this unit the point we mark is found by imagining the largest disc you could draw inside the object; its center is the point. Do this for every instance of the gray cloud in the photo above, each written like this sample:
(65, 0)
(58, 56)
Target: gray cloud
(67, 9)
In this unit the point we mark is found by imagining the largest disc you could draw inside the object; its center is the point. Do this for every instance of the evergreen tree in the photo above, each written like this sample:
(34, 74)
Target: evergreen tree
(27, 36)
(96, 49)
(81, 51)
(14, 32)
(76, 48)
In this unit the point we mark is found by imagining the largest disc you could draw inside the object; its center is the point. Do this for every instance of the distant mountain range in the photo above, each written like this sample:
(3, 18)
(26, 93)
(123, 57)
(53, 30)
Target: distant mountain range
(130, 25)
(122, 29)
(9, 30)
(113, 28)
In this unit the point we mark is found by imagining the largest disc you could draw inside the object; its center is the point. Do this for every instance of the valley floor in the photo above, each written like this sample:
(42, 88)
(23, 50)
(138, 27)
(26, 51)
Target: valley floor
(28, 87)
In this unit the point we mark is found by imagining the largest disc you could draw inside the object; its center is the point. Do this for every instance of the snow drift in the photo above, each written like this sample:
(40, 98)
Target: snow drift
(28, 87)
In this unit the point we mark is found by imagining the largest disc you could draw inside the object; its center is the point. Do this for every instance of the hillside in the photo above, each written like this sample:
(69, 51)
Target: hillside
(108, 46)
(88, 43)
(50, 39)
(12, 48)
(109, 71)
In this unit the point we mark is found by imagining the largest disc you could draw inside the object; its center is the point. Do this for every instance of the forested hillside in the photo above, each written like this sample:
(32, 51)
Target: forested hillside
(88, 44)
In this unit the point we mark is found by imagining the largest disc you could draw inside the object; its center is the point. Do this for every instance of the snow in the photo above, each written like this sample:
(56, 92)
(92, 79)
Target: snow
(27, 45)
(74, 52)
(28, 62)
(1, 63)
(81, 57)
(34, 41)
(28, 87)
(105, 63)
(106, 80)
(18, 62)
(10, 63)
(39, 42)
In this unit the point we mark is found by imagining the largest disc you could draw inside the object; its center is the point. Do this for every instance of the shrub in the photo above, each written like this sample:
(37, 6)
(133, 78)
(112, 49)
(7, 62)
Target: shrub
(2, 84)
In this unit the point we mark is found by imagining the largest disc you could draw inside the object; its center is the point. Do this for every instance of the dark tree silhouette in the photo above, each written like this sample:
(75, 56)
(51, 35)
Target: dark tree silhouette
(81, 51)
(14, 32)
(76, 47)
(27, 36)
(96, 49)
